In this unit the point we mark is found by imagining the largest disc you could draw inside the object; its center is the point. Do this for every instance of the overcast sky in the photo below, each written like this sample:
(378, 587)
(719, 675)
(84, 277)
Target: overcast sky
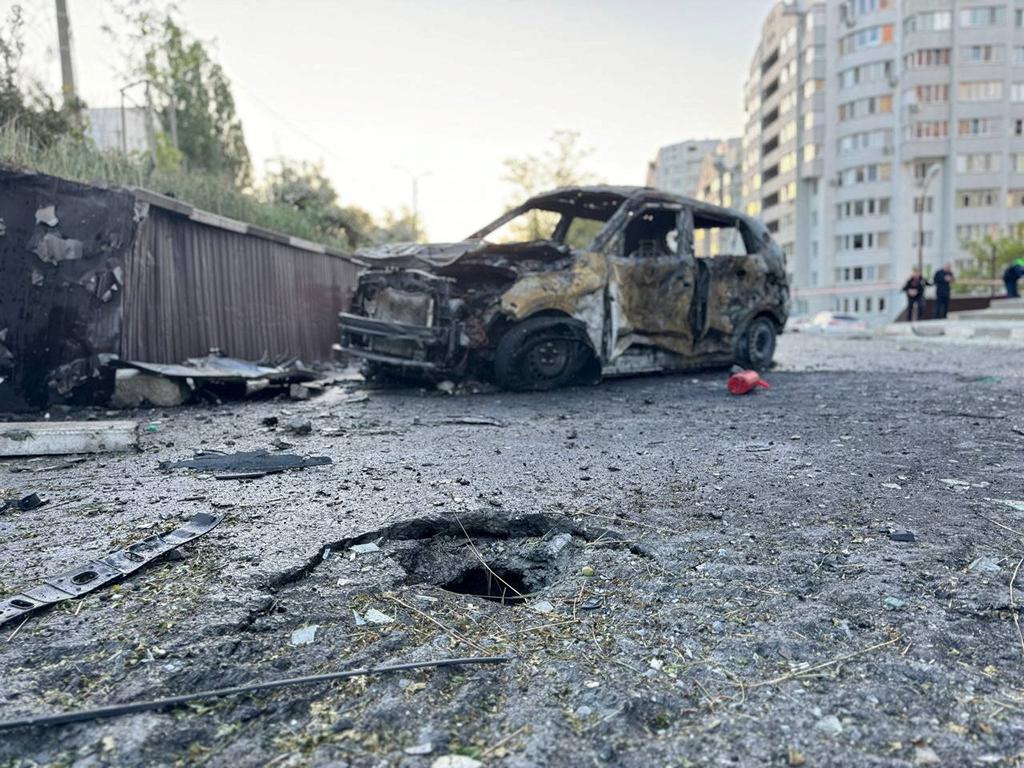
(449, 87)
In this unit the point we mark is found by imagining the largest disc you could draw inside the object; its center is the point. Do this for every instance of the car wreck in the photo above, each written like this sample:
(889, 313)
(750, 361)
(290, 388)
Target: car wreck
(573, 285)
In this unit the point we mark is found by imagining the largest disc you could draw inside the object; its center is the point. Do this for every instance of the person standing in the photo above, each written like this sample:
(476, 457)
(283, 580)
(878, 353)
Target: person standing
(1012, 274)
(914, 288)
(944, 279)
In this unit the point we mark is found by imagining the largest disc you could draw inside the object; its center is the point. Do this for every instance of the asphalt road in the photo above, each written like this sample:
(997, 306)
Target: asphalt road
(708, 579)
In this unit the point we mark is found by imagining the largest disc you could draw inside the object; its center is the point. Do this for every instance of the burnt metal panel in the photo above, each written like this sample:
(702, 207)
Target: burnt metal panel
(63, 248)
(191, 286)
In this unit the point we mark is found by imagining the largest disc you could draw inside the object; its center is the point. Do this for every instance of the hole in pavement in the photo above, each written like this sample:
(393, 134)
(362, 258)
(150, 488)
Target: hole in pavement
(504, 586)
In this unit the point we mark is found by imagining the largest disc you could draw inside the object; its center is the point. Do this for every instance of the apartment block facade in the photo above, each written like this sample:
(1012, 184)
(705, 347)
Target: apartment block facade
(880, 133)
(677, 167)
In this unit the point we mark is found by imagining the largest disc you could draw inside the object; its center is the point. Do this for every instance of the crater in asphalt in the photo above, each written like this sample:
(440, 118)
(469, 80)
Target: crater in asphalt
(502, 586)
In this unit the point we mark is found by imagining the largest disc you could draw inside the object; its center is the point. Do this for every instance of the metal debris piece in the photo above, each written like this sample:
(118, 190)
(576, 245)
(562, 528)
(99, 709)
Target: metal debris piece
(173, 702)
(25, 503)
(246, 464)
(52, 438)
(96, 573)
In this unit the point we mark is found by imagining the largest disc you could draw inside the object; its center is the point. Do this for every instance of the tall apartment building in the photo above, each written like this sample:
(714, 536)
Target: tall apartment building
(720, 180)
(677, 167)
(905, 115)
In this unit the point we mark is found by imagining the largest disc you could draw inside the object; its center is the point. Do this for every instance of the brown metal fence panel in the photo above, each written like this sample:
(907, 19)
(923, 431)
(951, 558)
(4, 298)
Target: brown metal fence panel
(192, 285)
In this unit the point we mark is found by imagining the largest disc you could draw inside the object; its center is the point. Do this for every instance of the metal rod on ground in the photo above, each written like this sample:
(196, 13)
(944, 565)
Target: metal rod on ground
(171, 702)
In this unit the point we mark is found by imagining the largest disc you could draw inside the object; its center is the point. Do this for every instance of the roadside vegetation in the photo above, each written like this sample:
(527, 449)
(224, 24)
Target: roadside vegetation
(198, 152)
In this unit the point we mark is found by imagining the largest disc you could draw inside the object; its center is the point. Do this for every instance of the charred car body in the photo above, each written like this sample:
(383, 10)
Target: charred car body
(574, 284)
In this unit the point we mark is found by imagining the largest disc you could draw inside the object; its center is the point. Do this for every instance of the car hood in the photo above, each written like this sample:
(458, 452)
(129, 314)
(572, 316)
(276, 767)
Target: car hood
(418, 254)
(439, 255)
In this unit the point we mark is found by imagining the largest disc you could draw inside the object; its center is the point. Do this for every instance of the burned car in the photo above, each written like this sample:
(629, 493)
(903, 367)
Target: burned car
(575, 284)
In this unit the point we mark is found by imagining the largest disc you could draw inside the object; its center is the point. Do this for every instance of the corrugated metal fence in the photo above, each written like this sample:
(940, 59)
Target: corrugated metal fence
(89, 272)
(195, 281)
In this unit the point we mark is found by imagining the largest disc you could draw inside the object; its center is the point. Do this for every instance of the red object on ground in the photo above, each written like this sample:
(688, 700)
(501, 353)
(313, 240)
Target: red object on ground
(742, 382)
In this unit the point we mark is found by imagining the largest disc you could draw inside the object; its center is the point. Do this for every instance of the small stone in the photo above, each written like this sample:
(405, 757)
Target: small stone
(829, 725)
(300, 426)
(656, 664)
(894, 603)
(796, 757)
(542, 606)
(363, 549)
(926, 756)
(376, 617)
(305, 635)
(47, 216)
(985, 564)
(455, 761)
(892, 486)
(446, 386)
(419, 749)
(587, 570)
(904, 536)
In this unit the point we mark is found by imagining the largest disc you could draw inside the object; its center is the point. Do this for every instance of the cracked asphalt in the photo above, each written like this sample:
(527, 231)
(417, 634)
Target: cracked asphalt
(708, 579)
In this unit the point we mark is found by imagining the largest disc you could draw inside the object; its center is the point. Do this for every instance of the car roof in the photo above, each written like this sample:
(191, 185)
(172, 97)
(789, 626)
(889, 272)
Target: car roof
(606, 197)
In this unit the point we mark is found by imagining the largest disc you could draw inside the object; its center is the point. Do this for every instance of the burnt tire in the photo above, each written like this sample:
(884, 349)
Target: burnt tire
(540, 354)
(755, 348)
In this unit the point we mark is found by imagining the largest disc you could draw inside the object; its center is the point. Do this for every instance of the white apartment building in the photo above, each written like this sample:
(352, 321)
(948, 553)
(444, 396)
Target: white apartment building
(720, 180)
(677, 167)
(908, 116)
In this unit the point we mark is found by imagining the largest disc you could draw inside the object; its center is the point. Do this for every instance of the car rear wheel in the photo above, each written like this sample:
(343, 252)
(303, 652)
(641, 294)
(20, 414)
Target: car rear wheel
(539, 354)
(756, 346)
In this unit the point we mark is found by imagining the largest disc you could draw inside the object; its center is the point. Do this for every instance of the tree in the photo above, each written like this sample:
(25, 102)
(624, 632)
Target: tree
(559, 165)
(992, 254)
(24, 103)
(305, 187)
(188, 90)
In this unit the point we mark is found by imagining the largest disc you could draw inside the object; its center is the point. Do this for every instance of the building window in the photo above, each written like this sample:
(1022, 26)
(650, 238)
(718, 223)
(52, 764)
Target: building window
(976, 198)
(927, 129)
(926, 58)
(1015, 198)
(1016, 91)
(927, 94)
(928, 204)
(979, 162)
(981, 90)
(928, 22)
(982, 16)
(979, 126)
(869, 37)
(981, 54)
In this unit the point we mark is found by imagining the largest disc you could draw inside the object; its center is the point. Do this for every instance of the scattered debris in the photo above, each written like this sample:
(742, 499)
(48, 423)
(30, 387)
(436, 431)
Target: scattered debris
(174, 702)
(743, 382)
(135, 388)
(472, 421)
(377, 617)
(53, 249)
(985, 564)
(892, 486)
(542, 606)
(456, 761)
(1011, 503)
(304, 635)
(420, 749)
(829, 725)
(894, 603)
(113, 566)
(54, 438)
(25, 503)
(955, 483)
(902, 536)
(300, 427)
(362, 549)
(246, 464)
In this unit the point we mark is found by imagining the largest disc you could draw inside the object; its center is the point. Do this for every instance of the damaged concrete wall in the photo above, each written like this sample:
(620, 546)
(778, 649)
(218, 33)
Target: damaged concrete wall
(63, 248)
(196, 281)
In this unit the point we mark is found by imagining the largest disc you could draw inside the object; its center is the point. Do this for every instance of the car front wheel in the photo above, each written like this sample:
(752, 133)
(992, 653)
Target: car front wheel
(538, 354)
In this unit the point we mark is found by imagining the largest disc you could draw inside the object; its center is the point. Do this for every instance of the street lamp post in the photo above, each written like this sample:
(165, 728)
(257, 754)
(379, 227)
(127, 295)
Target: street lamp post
(931, 173)
(415, 179)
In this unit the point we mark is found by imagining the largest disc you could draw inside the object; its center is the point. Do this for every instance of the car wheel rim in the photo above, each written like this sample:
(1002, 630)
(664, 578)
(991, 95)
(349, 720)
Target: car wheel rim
(762, 342)
(547, 360)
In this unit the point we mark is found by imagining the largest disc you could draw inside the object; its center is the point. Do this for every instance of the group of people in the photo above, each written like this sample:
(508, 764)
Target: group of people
(943, 282)
(914, 288)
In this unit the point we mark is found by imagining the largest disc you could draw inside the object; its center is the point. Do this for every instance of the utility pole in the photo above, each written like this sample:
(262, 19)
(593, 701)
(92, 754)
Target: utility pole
(415, 178)
(64, 38)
